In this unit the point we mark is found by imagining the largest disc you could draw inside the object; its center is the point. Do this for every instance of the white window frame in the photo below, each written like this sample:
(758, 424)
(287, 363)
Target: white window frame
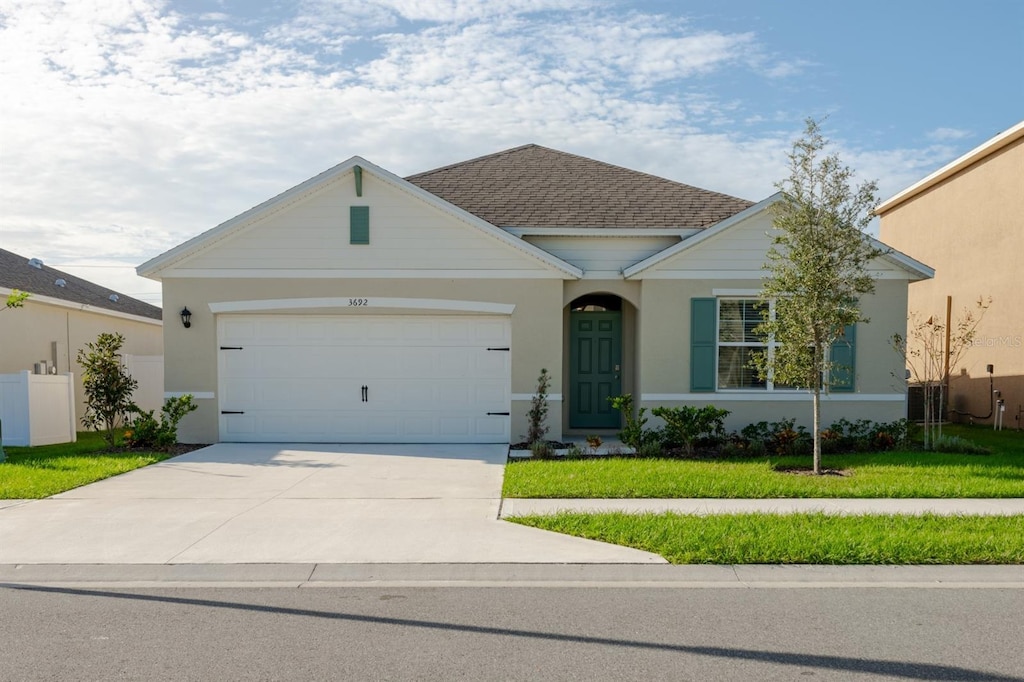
(769, 346)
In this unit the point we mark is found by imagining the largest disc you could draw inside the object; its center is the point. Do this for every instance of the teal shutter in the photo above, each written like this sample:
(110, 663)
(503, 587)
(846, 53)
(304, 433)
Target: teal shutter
(359, 225)
(843, 356)
(702, 344)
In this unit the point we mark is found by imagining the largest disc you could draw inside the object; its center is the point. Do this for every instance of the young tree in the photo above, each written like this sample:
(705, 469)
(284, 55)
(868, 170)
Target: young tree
(16, 299)
(926, 354)
(108, 386)
(817, 267)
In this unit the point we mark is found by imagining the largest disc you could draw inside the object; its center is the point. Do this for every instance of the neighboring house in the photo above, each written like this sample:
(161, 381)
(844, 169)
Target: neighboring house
(967, 220)
(359, 306)
(64, 313)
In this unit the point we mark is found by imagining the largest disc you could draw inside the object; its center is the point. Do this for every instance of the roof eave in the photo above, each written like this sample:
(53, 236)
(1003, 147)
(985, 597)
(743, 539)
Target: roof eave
(983, 150)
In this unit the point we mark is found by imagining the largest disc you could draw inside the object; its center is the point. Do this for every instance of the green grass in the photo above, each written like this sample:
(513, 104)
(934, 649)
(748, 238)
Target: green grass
(802, 538)
(33, 473)
(899, 474)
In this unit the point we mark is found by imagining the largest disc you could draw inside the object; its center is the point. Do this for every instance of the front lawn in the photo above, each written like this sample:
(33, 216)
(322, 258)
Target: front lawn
(899, 474)
(33, 473)
(802, 538)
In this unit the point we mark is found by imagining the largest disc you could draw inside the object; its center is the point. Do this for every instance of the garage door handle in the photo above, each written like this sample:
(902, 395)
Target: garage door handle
(231, 412)
(505, 414)
(366, 394)
(231, 348)
(506, 348)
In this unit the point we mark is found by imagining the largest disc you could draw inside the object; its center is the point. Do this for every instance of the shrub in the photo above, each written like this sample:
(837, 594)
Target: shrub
(685, 425)
(538, 410)
(633, 433)
(144, 431)
(574, 452)
(958, 445)
(108, 386)
(541, 449)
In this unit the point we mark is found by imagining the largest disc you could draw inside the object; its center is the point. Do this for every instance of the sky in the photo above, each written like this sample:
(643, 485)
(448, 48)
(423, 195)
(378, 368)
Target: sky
(130, 126)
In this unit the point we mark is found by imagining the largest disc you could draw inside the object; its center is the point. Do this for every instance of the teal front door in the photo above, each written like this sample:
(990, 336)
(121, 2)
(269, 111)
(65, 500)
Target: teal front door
(595, 369)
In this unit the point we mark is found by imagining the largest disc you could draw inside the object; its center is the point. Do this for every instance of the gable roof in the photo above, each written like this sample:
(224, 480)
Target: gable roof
(16, 273)
(533, 186)
(915, 268)
(986, 149)
(154, 266)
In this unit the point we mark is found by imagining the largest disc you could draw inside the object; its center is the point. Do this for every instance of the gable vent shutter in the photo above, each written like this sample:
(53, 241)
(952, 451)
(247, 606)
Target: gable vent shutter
(843, 355)
(702, 344)
(359, 225)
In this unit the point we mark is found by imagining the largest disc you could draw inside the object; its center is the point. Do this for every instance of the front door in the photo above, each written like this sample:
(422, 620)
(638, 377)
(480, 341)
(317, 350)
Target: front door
(595, 369)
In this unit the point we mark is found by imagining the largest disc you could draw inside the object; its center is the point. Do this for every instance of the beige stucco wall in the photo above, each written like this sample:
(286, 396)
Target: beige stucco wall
(191, 357)
(665, 347)
(970, 228)
(28, 334)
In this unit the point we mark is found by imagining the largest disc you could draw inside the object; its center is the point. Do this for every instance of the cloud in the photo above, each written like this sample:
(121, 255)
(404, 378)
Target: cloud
(947, 134)
(132, 126)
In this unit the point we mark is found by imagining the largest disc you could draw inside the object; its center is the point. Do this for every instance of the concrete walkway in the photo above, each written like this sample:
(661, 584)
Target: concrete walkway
(302, 504)
(971, 507)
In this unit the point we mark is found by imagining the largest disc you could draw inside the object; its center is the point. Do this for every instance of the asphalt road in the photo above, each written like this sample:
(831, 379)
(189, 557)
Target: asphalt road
(511, 633)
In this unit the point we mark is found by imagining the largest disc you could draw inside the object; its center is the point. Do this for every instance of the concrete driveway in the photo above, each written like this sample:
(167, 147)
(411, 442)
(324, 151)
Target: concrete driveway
(243, 503)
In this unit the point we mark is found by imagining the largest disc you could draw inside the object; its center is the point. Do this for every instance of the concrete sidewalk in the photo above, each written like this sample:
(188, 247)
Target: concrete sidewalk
(513, 575)
(701, 507)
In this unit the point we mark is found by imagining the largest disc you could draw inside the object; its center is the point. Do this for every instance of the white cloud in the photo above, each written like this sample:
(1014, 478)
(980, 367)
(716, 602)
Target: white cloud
(947, 134)
(129, 127)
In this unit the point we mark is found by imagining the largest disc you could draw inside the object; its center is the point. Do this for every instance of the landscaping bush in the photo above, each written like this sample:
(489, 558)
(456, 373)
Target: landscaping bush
(538, 413)
(144, 431)
(686, 425)
(957, 444)
(634, 434)
(108, 386)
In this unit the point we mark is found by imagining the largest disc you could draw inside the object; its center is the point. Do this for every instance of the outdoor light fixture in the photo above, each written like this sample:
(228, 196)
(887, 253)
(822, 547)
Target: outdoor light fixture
(186, 317)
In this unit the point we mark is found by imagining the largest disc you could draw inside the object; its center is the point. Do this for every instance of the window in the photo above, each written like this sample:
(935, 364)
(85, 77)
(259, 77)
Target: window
(722, 344)
(737, 343)
(359, 225)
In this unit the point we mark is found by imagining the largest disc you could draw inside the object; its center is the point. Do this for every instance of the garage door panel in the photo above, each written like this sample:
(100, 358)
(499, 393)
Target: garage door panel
(427, 378)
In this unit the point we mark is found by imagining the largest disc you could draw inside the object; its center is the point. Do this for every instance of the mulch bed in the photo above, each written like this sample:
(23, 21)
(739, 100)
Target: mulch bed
(809, 471)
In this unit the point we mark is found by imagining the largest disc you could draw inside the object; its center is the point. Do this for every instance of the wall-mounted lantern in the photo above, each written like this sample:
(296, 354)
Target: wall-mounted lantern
(186, 317)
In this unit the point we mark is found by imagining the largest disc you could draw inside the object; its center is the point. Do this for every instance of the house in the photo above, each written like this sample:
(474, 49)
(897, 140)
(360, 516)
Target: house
(360, 306)
(967, 219)
(64, 313)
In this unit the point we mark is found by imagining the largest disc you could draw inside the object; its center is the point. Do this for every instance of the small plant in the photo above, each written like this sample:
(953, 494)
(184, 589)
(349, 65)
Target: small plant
(956, 444)
(144, 431)
(108, 386)
(650, 448)
(594, 442)
(685, 425)
(541, 449)
(633, 433)
(574, 452)
(538, 413)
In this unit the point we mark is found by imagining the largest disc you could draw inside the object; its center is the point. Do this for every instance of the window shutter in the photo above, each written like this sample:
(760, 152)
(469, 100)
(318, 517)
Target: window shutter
(843, 357)
(359, 225)
(702, 344)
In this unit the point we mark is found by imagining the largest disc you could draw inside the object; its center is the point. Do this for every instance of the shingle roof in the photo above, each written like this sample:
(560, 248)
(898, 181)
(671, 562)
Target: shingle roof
(533, 186)
(16, 273)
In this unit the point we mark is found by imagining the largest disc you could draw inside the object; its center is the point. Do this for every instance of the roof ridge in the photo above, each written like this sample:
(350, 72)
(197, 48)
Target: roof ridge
(475, 159)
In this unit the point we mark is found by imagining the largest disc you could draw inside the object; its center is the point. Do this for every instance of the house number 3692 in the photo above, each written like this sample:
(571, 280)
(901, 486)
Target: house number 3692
(358, 302)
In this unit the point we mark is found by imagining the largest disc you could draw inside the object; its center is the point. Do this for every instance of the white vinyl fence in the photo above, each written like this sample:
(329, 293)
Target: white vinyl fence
(37, 409)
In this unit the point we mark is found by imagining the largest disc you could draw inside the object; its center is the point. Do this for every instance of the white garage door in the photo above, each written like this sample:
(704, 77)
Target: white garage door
(364, 379)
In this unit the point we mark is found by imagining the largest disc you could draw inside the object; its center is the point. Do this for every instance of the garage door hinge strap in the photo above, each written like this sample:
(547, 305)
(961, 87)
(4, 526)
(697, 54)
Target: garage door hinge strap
(506, 348)
(498, 413)
(231, 412)
(231, 348)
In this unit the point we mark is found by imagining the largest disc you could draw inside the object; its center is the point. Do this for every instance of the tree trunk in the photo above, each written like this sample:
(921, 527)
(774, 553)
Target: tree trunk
(817, 430)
